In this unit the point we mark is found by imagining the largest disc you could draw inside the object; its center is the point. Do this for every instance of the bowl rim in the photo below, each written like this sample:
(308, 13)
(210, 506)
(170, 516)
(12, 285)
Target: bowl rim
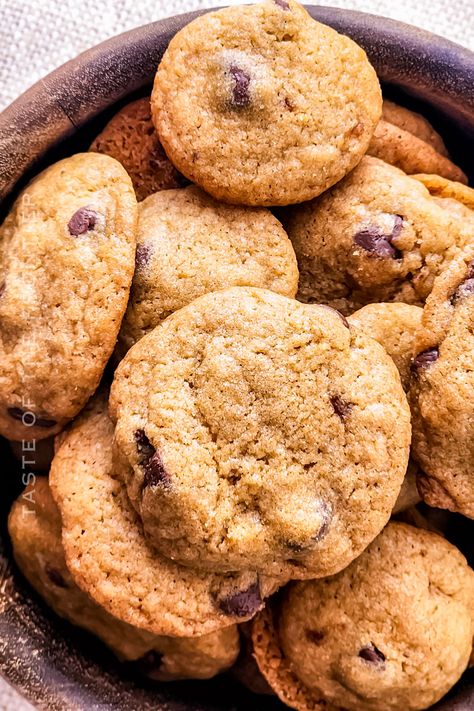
(55, 107)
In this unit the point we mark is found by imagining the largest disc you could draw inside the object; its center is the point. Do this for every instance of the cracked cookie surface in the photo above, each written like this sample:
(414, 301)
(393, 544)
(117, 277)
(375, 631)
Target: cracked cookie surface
(251, 426)
(67, 252)
(246, 78)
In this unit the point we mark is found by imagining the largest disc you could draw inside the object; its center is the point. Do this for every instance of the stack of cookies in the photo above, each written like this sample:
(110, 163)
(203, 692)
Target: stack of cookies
(242, 400)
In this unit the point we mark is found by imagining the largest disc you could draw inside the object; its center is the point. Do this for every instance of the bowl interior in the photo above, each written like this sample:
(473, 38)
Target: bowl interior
(53, 664)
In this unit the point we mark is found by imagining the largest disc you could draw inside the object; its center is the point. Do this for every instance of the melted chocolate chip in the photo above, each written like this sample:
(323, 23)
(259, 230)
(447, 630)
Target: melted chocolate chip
(464, 289)
(82, 221)
(315, 636)
(424, 359)
(143, 255)
(283, 4)
(243, 603)
(373, 240)
(342, 408)
(149, 664)
(29, 419)
(55, 576)
(154, 470)
(240, 90)
(372, 654)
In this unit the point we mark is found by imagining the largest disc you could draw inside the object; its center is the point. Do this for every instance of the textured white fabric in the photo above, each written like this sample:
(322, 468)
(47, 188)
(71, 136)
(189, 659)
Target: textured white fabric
(38, 35)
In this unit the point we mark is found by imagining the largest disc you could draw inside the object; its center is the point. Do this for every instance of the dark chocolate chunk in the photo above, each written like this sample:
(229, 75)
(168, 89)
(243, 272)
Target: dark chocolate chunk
(240, 91)
(243, 603)
(375, 242)
(372, 654)
(55, 576)
(29, 419)
(82, 221)
(315, 636)
(143, 255)
(342, 408)
(424, 359)
(144, 446)
(466, 287)
(155, 472)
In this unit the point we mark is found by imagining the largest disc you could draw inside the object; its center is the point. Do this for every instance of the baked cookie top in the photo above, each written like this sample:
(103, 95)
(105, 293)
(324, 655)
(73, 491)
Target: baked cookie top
(67, 252)
(393, 630)
(189, 244)
(414, 123)
(34, 525)
(235, 105)
(246, 425)
(376, 236)
(110, 559)
(443, 388)
(130, 138)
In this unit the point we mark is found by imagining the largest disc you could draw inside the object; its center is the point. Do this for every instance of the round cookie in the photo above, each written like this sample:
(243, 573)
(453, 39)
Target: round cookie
(442, 390)
(189, 245)
(35, 529)
(110, 560)
(246, 424)
(243, 79)
(413, 123)
(442, 188)
(130, 138)
(392, 631)
(376, 236)
(67, 253)
(406, 151)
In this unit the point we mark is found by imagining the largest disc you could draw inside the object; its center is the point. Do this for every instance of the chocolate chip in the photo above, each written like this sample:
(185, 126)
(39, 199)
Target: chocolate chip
(155, 472)
(240, 90)
(315, 636)
(29, 419)
(82, 221)
(342, 408)
(143, 255)
(373, 240)
(424, 359)
(243, 603)
(283, 4)
(55, 576)
(149, 664)
(464, 289)
(372, 654)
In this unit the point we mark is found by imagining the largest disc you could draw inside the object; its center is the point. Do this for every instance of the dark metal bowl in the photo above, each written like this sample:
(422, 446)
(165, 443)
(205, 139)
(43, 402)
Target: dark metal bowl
(52, 664)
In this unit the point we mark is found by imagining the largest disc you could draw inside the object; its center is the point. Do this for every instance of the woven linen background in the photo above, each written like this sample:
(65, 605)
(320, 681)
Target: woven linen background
(37, 36)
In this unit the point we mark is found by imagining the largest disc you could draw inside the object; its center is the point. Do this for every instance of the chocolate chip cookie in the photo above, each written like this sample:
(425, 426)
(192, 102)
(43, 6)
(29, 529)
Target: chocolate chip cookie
(413, 123)
(409, 153)
(393, 631)
(261, 105)
(443, 188)
(130, 138)
(67, 257)
(442, 390)
(35, 529)
(247, 423)
(395, 326)
(110, 560)
(376, 236)
(190, 244)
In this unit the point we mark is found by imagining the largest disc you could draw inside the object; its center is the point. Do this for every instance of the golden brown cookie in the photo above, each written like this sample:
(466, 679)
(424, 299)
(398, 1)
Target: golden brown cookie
(246, 424)
(443, 188)
(130, 138)
(376, 236)
(35, 529)
(67, 252)
(110, 560)
(392, 631)
(189, 244)
(262, 105)
(406, 151)
(414, 123)
(442, 390)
